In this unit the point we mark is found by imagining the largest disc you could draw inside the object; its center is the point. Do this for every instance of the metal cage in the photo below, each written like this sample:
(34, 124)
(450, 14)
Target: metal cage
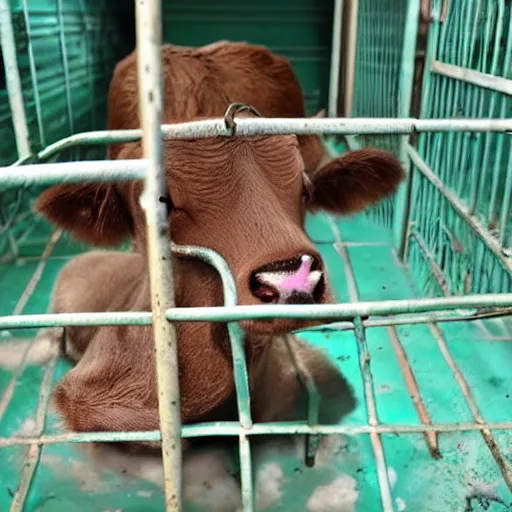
(457, 244)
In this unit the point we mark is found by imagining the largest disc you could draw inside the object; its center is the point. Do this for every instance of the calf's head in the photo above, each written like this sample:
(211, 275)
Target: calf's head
(245, 198)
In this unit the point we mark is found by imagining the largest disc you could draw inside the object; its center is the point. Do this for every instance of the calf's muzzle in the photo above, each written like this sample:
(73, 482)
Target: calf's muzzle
(296, 281)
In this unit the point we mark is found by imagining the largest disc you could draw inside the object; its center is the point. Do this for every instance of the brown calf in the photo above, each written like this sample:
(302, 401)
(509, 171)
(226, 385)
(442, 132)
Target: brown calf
(242, 197)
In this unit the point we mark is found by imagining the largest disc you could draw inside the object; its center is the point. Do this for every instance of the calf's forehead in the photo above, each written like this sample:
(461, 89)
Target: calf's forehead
(221, 157)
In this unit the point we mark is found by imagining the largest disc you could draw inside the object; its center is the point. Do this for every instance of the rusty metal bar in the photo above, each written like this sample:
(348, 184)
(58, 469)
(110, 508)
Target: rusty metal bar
(149, 40)
(364, 363)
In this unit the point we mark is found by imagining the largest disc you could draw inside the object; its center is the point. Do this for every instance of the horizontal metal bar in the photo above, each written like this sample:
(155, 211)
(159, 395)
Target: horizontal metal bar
(495, 83)
(461, 209)
(100, 138)
(336, 311)
(75, 319)
(342, 311)
(220, 429)
(416, 319)
(260, 126)
(72, 172)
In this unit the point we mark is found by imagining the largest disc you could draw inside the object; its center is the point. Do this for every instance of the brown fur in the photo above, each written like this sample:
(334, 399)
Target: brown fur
(201, 82)
(113, 385)
(242, 197)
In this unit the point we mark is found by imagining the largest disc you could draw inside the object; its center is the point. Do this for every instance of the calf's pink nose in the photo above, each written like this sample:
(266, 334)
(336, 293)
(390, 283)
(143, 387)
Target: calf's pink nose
(286, 283)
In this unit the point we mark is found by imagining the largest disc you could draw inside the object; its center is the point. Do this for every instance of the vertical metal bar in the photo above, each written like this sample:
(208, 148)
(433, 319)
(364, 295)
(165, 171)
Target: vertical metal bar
(505, 205)
(364, 363)
(402, 203)
(236, 335)
(12, 77)
(20, 306)
(414, 391)
(64, 54)
(246, 473)
(33, 74)
(88, 62)
(350, 57)
(34, 450)
(149, 40)
(334, 80)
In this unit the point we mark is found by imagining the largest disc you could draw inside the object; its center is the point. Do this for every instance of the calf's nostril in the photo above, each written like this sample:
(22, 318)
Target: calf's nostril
(285, 281)
(265, 293)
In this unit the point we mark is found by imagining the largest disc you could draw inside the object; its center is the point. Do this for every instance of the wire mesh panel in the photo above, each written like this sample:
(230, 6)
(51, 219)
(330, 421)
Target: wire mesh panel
(385, 42)
(66, 52)
(467, 75)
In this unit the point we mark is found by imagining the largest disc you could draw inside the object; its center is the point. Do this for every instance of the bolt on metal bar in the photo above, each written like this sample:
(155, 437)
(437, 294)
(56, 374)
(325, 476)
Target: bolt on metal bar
(149, 67)
(275, 126)
(364, 365)
(227, 428)
(326, 312)
(13, 82)
(72, 172)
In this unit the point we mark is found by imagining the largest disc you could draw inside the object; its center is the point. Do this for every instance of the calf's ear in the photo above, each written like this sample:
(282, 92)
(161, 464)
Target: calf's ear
(92, 212)
(355, 180)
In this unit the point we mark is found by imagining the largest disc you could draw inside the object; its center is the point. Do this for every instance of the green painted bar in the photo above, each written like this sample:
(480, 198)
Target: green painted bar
(258, 429)
(238, 313)
(235, 333)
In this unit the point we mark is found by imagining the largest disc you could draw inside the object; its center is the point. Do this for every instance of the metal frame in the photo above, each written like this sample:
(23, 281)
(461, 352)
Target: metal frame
(12, 76)
(164, 314)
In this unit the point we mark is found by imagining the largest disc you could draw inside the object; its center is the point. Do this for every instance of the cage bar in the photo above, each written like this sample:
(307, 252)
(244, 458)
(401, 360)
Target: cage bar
(221, 429)
(334, 75)
(464, 387)
(33, 75)
(65, 67)
(149, 64)
(406, 83)
(34, 450)
(20, 306)
(414, 391)
(493, 82)
(364, 365)
(341, 311)
(461, 210)
(12, 76)
(72, 172)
